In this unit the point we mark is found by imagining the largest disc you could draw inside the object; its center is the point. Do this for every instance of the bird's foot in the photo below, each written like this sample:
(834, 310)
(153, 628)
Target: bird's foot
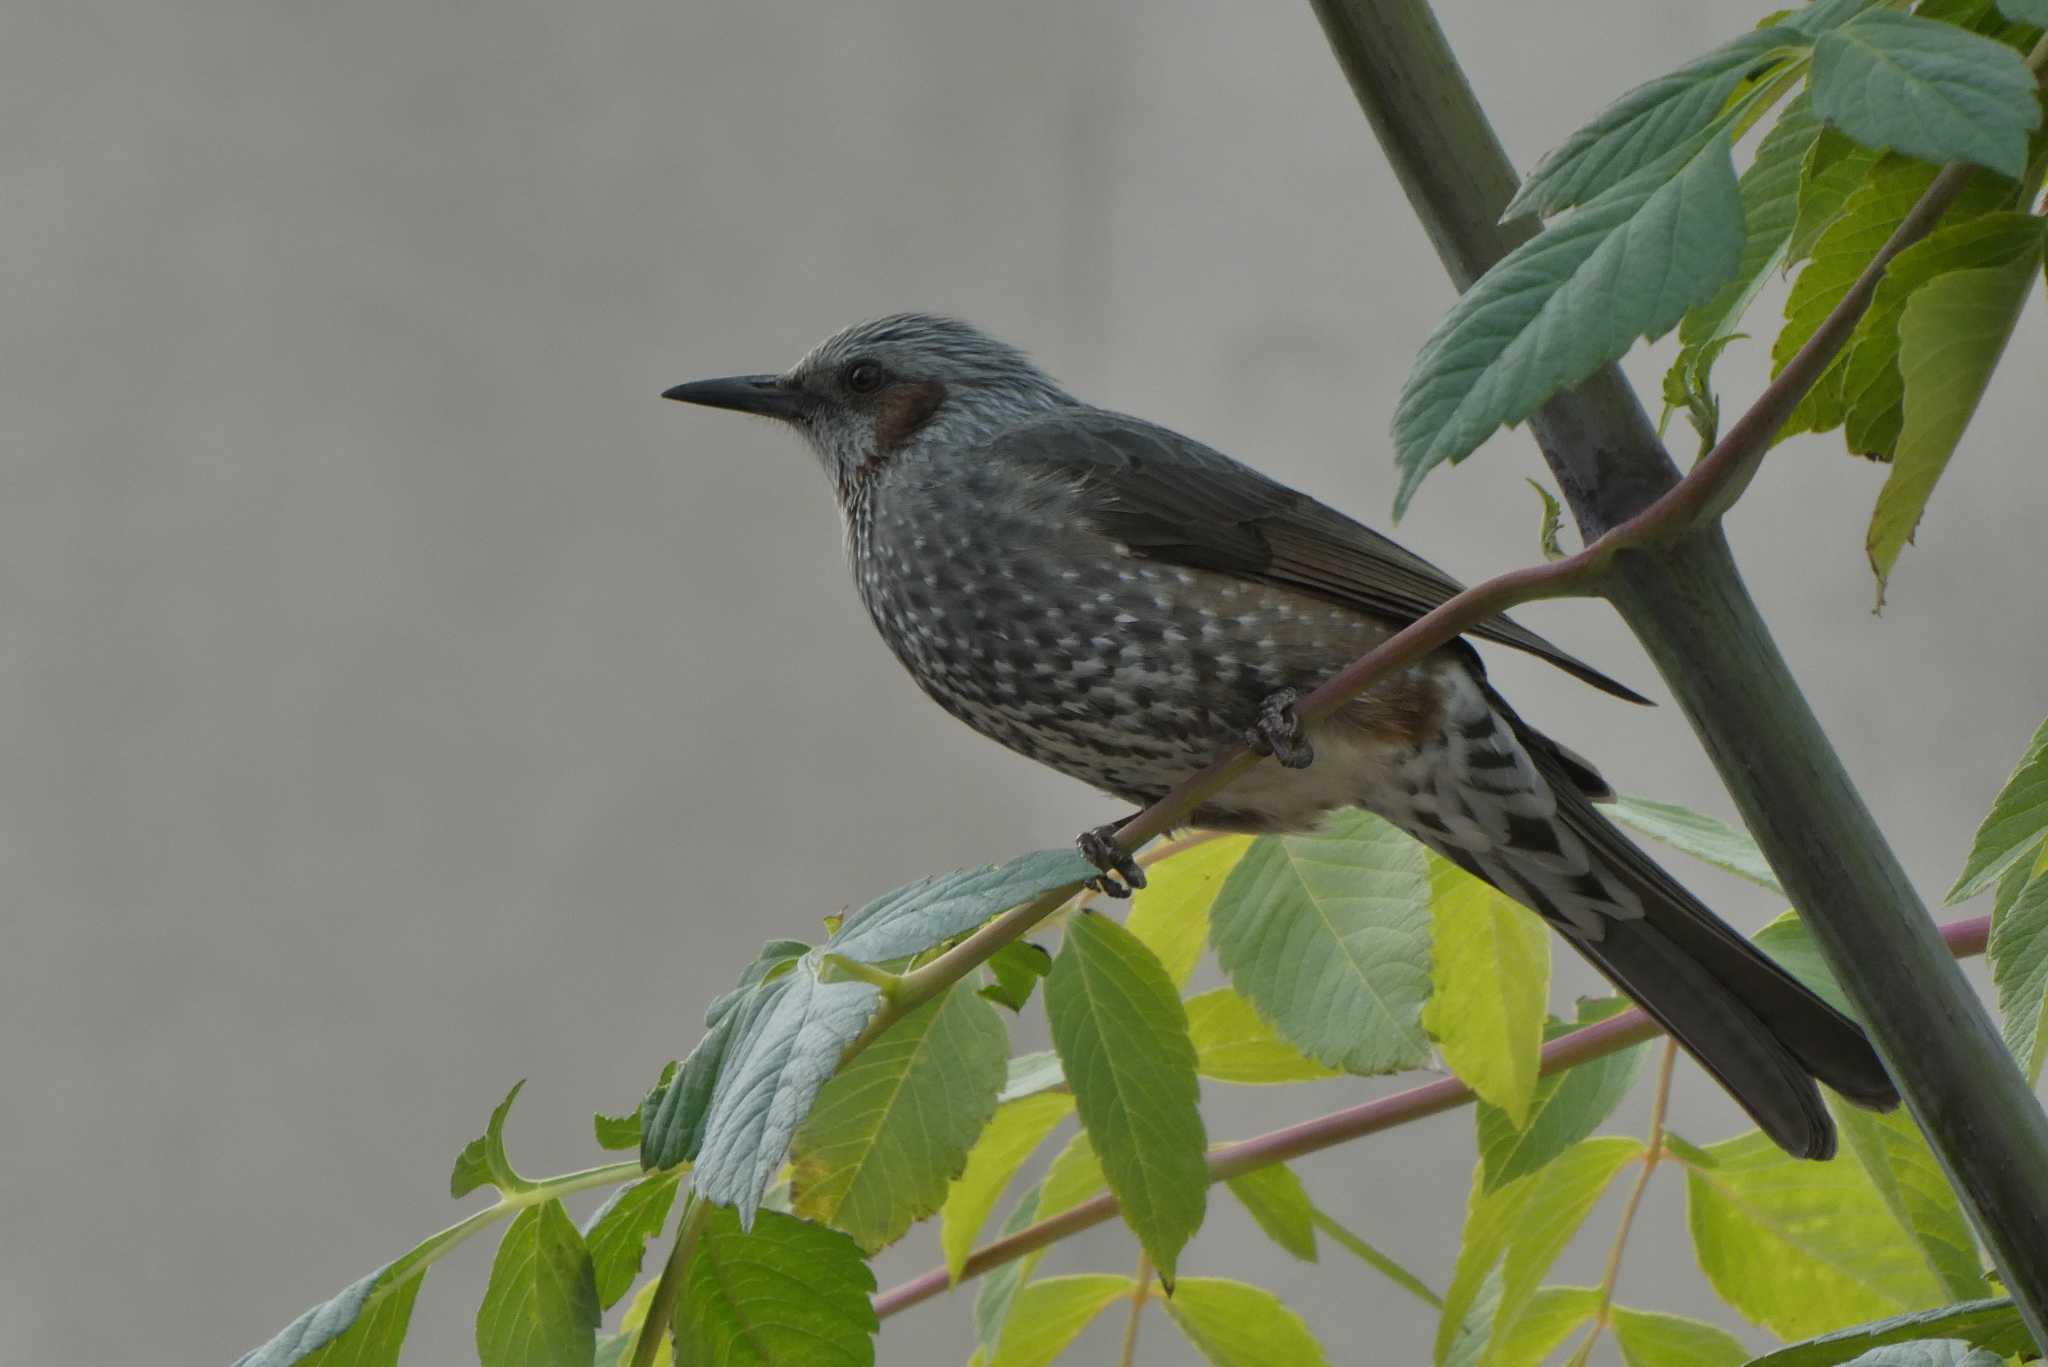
(1121, 875)
(1278, 731)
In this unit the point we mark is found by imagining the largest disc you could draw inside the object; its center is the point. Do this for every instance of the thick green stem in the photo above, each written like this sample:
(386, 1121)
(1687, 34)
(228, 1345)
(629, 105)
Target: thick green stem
(661, 1310)
(1688, 606)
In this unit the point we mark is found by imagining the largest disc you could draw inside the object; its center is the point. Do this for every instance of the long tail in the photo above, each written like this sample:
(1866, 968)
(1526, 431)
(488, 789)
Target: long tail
(1515, 809)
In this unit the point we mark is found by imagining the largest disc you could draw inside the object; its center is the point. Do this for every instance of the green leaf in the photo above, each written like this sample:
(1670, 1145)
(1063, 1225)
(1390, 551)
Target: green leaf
(1791, 944)
(1648, 1339)
(1833, 169)
(1490, 965)
(364, 1326)
(482, 1161)
(2014, 827)
(1170, 914)
(616, 1350)
(617, 1131)
(892, 1128)
(1927, 89)
(541, 1308)
(788, 1294)
(1707, 839)
(1017, 1129)
(1074, 1177)
(1123, 1038)
(933, 910)
(1799, 1247)
(1929, 1353)
(1552, 1313)
(1643, 127)
(672, 1114)
(787, 1040)
(1553, 519)
(1233, 1045)
(1235, 1325)
(1565, 1108)
(1910, 1181)
(1014, 971)
(1029, 1074)
(998, 1290)
(1990, 1324)
(2033, 12)
(1513, 1235)
(2018, 951)
(1375, 1259)
(1951, 335)
(1628, 264)
(1051, 1314)
(1280, 1206)
(1328, 936)
(1872, 383)
(617, 1233)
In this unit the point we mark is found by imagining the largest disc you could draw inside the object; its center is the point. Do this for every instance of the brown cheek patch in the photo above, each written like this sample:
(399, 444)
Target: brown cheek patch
(902, 409)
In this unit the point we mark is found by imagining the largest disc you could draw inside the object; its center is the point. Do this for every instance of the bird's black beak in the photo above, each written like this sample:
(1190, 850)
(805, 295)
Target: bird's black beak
(767, 395)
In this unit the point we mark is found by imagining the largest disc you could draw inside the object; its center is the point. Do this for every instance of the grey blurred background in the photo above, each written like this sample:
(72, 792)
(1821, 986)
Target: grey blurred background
(398, 699)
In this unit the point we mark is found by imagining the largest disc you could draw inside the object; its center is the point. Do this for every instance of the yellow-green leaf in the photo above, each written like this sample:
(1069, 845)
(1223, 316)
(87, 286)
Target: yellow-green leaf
(2019, 961)
(1649, 1339)
(1050, 1314)
(1490, 970)
(1236, 1325)
(1233, 1045)
(1017, 1129)
(2015, 826)
(1910, 1181)
(1280, 1206)
(540, 1309)
(1171, 912)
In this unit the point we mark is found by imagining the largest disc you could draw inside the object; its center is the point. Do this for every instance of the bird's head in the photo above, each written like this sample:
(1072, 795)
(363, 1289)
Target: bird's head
(908, 382)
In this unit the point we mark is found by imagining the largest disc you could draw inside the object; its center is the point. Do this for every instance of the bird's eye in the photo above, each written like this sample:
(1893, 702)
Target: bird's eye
(864, 377)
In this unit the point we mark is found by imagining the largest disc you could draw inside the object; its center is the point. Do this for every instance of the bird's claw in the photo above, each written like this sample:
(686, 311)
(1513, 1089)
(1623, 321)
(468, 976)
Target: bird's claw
(1278, 731)
(1121, 875)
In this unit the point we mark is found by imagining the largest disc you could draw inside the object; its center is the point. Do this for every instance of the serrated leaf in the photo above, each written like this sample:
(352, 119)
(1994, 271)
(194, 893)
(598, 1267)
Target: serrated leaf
(1833, 169)
(1929, 1353)
(1565, 1108)
(2018, 951)
(1376, 1259)
(1951, 334)
(1014, 971)
(1649, 1339)
(787, 1294)
(1017, 1129)
(617, 1131)
(1553, 519)
(618, 1231)
(787, 1041)
(1512, 1236)
(892, 1128)
(1050, 1314)
(1927, 89)
(672, 1114)
(1328, 936)
(1029, 1074)
(1279, 1205)
(364, 1326)
(1170, 914)
(1490, 970)
(1872, 383)
(1549, 1318)
(1122, 1037)
(933, 910)
(1799, 1247)
(1233, 1045)
(2014, 827)
(482, 1161)
(1910, 1181)
(1628, 264)
(1236, 1325)
(1642, 127)
(541, 1308)
(1707, 839)
(1994, 1325)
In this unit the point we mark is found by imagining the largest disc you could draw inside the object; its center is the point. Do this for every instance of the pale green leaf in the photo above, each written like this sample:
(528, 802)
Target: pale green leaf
(1991, 1324)
(1015, 970)
(1122, 1037)
(1490, 970)
(1233, 1045)
(1565, 1108)
(1788, 942)
(1017, 1129)
(1929, 1353)
(364, 1326)
(1628, 264)
(892, 1128)
(1050, 1314)
(617, 1131)
(1170, 914)
(1375, 1259)
(541, 1308)
(1280, 1206)
(2033, 12)
(1553, 520)
(1236, 1325)
(1797, 1246)
(1707, 839)
(616, 1350)
(1548, 1319)
(1910, 1181)
(618, 1231)
(1649, 1339)
(1832, 170)
(788, 1294)
(998, 1290)
(933, 910)
(1927, 89)
(1328, 936)
(1030, 1074)
(2014, 827)
(2018, 951)
(1951, 334)
(482, 1161)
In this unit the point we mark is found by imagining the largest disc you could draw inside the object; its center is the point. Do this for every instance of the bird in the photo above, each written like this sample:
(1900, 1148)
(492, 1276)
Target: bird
(1122, 603)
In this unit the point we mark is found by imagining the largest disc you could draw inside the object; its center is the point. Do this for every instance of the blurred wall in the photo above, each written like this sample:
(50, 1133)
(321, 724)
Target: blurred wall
(398, 699)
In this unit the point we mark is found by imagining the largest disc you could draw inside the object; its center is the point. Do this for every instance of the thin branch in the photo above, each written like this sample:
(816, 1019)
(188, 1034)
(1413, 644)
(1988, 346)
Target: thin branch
(1140, 1294)
(1965, 937)
(1652, 1152)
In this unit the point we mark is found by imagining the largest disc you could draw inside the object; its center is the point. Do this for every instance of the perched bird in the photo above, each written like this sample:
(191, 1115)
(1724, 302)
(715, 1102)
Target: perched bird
(1120, 602)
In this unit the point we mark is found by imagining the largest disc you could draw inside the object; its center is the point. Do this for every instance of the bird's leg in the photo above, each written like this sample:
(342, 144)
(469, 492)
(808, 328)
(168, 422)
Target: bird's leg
(1278, 731)
(1099, 847)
